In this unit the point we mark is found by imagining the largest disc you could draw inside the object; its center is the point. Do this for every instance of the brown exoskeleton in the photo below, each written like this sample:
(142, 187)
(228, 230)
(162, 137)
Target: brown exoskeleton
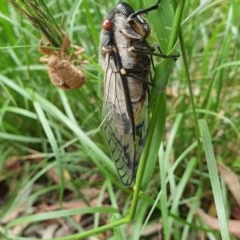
(64, 68)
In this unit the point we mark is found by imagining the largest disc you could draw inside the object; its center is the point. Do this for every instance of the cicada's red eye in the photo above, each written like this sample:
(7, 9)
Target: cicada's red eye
(107, 24)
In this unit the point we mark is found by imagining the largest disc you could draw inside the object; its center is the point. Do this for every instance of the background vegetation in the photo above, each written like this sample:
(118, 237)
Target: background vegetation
(54, 160)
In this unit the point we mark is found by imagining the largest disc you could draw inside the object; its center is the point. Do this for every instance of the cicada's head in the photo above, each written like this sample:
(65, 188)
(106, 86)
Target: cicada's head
(136, 21)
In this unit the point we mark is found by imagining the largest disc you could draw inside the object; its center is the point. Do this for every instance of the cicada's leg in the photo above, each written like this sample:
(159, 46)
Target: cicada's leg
(150, 51)
(146, 10)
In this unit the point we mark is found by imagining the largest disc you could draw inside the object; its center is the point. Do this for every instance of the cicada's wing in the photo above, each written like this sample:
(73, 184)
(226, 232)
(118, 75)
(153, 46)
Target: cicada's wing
(126, 118)
(118, 123)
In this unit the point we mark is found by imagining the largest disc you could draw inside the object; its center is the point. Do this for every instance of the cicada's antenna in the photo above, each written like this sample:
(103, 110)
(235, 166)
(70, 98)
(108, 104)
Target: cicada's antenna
(146, 10)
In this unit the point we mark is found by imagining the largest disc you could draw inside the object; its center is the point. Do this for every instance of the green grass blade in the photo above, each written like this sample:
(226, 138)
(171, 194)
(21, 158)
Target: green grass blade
(214, 178)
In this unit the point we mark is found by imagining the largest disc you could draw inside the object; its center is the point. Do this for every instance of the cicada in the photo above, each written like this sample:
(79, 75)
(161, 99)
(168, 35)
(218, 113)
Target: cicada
(125, 58)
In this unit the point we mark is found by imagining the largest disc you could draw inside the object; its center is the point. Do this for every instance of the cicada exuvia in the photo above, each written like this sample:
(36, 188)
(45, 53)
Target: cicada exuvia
(125, 58)
(64, 68)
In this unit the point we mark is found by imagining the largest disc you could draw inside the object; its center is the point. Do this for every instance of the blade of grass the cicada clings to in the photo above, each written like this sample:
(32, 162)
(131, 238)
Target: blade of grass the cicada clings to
(125, 58)
(161, 22)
